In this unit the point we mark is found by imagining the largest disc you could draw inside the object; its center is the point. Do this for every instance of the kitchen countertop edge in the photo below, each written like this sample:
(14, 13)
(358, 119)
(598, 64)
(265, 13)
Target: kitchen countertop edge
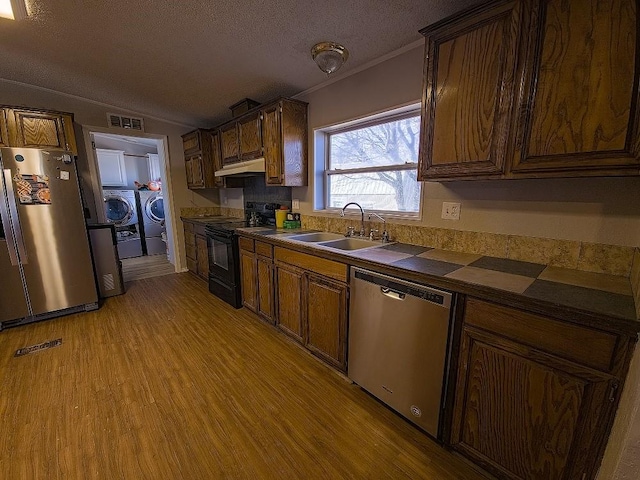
(579, 316)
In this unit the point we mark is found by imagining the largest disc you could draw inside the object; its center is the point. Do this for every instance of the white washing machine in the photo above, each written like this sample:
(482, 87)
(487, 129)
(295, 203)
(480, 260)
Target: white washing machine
(152, 206)
(121, 210)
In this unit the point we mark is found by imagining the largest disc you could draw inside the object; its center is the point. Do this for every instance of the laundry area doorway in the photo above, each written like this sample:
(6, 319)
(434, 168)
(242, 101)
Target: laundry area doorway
(132, 192)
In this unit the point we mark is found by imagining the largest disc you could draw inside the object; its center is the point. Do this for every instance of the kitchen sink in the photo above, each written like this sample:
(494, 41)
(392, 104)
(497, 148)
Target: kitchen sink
(317, 237)
(351, 244)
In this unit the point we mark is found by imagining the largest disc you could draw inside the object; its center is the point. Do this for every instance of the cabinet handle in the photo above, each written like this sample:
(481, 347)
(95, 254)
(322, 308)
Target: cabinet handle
(613, 391)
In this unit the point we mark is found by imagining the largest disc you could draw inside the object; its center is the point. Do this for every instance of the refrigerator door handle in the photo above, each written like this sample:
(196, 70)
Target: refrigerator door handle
(6, 226)
(13, 218)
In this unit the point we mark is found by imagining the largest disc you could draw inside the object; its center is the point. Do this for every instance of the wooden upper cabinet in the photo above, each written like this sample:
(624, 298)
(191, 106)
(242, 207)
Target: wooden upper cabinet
(579, 113)
(191, 142)
(469, 89)
(250, 136)
(199, 159)
(216, 156)
(40, 129)
(195, 176)
(271, 138)
(229, 143)
(4, 134)
(285, 143)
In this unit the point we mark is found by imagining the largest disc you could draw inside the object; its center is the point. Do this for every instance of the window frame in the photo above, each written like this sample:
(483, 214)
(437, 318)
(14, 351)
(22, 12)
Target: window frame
(381, 118)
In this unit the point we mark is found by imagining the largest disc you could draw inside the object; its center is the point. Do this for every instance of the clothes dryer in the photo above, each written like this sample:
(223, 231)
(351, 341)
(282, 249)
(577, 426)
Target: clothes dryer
(120, 207)
(121, 210)
(152, 206)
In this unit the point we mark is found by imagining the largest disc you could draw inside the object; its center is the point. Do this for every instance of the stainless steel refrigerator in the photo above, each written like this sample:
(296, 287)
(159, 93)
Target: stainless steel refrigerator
(45, 261)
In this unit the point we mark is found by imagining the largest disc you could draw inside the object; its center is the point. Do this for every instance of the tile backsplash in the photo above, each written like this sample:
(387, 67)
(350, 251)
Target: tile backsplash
(585, 256)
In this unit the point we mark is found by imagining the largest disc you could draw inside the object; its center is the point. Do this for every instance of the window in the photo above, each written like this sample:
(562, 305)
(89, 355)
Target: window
(374, 163)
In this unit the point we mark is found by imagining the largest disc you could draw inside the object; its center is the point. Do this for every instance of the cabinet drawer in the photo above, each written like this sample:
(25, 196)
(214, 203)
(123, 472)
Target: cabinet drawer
(321, 266)
(188, 226)
(264, 249)
(246, 244)
(584, 345)
(199, 229)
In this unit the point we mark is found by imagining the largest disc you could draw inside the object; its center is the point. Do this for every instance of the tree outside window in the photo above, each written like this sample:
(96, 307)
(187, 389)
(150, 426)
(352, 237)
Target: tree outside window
(375, 164)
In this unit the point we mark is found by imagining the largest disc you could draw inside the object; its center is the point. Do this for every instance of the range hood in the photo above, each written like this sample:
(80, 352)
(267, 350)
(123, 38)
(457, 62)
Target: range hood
(247, 168)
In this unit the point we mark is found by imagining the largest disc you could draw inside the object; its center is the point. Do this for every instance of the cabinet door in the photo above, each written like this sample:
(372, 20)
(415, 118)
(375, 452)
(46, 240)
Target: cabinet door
(195, 175)
(524, 414)
(326, 323)
(579, 110)
(153, 163)
(229, 143)
(469, 88)
(290, 301)
(216, 158)
(4, 134)
(41, 130)
(202, 253)
(250, 137)
(265, 287)
(249, 280)
(111, 167)
(272, 142)
(191, 142)
(190, 248)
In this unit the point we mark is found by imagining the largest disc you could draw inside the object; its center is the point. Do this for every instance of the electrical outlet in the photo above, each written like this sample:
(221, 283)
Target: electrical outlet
(450, 211)
(295, 204)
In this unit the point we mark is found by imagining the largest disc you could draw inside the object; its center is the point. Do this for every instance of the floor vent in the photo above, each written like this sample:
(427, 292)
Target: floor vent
(119, 121)
(40, 346)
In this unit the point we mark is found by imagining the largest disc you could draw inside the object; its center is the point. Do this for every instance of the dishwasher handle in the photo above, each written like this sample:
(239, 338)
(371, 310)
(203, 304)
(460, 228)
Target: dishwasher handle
(392, 293)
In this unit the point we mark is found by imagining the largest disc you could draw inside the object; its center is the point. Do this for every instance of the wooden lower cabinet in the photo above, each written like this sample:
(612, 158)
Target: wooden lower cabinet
(249, 279)
(524, 412)
(202, 253)
(264, 274)
(256, 277)
(311, 303)
(327, 319)
(197, 252)
(290, 297)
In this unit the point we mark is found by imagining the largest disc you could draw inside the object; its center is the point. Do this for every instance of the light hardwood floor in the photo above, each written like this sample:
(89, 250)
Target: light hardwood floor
(148, 266)
(168, 382)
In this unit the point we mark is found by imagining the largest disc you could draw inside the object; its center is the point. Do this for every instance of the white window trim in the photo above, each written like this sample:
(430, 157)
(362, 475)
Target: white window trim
(322, 159)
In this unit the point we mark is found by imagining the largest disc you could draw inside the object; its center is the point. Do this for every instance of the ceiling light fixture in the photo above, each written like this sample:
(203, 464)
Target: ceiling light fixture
(13, 9)
(329, 56)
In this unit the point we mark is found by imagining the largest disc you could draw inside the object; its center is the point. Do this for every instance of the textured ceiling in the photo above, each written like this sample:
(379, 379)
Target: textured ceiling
(188, 61)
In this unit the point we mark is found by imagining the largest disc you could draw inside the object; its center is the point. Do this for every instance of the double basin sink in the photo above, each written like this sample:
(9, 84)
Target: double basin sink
(336, 240)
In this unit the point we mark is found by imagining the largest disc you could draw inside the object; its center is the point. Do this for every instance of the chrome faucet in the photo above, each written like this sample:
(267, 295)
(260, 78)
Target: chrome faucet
(385, 234)
(361, 217)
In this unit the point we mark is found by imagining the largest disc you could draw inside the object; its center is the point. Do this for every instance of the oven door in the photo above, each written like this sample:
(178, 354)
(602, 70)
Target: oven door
(224, 267)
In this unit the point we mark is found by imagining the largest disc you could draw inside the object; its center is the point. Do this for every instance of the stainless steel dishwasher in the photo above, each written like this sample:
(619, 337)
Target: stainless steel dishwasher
(398, 335)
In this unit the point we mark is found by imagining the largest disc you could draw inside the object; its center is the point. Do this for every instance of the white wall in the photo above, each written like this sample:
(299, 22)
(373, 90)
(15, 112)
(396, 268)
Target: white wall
(605, 210)
(94, 114)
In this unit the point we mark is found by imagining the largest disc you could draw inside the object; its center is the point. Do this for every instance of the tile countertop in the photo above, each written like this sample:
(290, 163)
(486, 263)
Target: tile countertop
(587, 297)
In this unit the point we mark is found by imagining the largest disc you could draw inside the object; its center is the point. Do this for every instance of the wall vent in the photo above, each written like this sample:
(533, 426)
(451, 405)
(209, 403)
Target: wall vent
(107, 282)
(120, 121)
